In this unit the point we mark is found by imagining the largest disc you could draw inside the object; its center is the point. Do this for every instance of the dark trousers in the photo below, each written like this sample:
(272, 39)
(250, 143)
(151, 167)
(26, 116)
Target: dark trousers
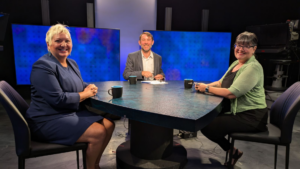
(225, 124)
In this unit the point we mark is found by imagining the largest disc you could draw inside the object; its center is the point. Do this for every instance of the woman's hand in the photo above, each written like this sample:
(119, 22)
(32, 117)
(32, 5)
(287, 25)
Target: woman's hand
(89, 91)
(200, 87)
(215, 88)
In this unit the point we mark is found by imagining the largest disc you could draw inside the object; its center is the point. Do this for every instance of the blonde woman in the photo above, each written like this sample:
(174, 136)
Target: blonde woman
(56, 114)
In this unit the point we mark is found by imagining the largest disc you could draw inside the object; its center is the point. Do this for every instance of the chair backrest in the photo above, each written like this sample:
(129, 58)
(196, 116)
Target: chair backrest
(284, 111)
(16, 107)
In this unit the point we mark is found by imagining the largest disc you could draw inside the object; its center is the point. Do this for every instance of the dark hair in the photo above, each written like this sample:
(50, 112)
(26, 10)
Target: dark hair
(247, 38)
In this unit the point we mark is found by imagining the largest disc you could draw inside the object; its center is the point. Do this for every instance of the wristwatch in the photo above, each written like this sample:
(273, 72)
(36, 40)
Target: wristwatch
(207, 89)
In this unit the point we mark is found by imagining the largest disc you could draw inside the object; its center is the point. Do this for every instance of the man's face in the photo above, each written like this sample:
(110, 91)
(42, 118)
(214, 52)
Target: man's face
(146, 42)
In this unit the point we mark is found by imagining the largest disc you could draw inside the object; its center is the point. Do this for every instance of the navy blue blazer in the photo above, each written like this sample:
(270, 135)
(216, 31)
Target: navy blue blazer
(52, 93)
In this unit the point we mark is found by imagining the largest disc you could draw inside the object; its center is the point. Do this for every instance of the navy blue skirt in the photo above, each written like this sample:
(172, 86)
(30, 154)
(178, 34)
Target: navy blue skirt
(65, 130)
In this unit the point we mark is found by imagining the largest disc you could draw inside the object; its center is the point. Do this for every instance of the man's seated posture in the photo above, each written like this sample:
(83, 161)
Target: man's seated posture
(144, 63)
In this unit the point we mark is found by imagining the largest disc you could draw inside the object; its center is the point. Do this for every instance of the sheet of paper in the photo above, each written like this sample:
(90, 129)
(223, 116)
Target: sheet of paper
(154, 82)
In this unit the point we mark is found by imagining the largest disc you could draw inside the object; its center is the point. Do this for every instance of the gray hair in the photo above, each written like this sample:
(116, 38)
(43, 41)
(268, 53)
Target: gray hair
(248, 38)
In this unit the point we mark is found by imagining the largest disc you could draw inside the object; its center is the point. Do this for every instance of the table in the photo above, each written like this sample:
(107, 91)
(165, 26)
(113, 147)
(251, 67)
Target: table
(154, 111)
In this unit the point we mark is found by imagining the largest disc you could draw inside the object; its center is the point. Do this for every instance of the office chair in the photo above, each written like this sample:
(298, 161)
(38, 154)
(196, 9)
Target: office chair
(282, 116)
(16, 107)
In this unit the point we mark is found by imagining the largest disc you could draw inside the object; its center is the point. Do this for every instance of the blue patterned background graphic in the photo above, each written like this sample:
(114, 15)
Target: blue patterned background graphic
(201, 56)
(96, 51)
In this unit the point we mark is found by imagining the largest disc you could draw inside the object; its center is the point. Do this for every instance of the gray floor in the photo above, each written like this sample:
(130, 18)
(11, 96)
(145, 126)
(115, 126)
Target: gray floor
(202, 153)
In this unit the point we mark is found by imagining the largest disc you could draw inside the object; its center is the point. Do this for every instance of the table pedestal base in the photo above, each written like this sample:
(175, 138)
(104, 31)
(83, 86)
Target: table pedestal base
(125, 160)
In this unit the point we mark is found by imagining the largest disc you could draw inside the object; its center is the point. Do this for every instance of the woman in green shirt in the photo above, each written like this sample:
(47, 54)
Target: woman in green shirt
(244, 106)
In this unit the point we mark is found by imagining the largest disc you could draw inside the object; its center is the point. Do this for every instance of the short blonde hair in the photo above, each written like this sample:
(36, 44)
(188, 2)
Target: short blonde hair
(56, 29)
(146, 33)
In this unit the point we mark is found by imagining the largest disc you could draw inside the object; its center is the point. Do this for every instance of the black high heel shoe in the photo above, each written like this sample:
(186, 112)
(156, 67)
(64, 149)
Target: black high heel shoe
(235, 157)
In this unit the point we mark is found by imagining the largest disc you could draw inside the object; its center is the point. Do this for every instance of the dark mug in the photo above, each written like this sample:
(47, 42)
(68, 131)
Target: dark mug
(188, 83)
(117, 91)
(132, 79)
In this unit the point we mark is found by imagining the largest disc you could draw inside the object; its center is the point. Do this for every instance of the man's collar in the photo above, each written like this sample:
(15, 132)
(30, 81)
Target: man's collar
(151, 55)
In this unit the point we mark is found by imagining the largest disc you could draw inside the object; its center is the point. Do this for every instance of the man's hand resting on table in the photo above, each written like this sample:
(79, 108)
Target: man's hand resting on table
(159, 77)
(146, 74)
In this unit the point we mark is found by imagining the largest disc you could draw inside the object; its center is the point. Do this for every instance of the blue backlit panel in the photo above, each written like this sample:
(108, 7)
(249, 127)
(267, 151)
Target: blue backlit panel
(96, 51)
(202, 56)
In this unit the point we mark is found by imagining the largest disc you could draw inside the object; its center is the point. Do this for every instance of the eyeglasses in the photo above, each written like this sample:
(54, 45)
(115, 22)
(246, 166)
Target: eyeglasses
(243, 47)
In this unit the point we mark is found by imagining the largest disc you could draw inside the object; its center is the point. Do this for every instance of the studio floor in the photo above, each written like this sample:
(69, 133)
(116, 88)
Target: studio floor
(201, 152)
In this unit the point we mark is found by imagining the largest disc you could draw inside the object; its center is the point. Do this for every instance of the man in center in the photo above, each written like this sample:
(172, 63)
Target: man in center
(144, 63)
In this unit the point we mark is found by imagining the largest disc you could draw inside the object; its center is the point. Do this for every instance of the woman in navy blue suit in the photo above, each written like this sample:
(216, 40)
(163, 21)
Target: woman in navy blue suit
(55, 114)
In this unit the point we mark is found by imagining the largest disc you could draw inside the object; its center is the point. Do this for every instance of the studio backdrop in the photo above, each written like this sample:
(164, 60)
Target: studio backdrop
(131, 17)
(201, 56)
(96, 51)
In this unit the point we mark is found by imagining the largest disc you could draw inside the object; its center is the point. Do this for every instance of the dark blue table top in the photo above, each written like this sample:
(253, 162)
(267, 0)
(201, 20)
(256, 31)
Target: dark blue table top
(168, 105)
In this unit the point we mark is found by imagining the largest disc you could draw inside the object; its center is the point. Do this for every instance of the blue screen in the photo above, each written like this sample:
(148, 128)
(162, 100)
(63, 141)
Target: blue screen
(96, 51)
(201, 56)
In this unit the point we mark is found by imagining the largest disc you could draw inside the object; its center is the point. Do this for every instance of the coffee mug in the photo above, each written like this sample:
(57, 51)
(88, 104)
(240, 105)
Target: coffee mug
(188, 83)
(132, 79)
(117, 91)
